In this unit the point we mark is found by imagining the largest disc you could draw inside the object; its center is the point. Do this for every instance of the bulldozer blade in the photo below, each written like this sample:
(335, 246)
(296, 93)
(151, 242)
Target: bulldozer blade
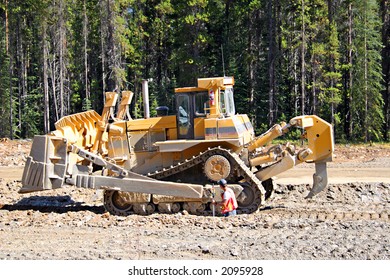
(138, 185)
(45, 167)
(320, 179)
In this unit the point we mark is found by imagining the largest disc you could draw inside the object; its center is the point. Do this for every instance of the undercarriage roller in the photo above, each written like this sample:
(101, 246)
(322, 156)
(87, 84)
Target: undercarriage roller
(169, 208)
(115, 202)
(144, 208)
(217, 167)
(194, 207)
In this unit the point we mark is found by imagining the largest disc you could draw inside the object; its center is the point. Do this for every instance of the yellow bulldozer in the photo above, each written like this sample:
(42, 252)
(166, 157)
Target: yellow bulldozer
(170, 163)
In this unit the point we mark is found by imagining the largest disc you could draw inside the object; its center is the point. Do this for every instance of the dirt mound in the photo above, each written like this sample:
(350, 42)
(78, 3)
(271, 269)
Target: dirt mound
(361, 153)
(14, 152)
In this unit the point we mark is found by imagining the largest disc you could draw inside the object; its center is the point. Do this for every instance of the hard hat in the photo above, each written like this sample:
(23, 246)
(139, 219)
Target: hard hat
(222, 182)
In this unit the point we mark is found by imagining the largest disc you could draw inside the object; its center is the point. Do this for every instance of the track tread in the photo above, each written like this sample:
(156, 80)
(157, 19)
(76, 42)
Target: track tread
(237, 164)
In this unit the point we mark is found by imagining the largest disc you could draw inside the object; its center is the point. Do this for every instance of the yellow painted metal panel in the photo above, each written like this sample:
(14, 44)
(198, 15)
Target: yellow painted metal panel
(188, 89)
(157, 123)
(247, 125)
(215, 82)
(227, 129)
(228, 122)
(319, 134)
(172, 134)
(199, 128)
(210, 126)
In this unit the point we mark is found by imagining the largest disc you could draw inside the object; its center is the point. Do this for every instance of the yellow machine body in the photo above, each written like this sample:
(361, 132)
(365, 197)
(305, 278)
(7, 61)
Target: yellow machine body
(171, 162)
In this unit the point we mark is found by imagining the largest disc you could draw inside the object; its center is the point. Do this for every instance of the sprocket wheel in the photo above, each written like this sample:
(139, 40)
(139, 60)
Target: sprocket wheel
(249, 199)
(217, 167)
(115, 203)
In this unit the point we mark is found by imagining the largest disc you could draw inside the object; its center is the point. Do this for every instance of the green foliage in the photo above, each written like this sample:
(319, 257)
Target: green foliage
(368, 101)
(4, 91)
(270, 47)
(33, 114)
(87, 105)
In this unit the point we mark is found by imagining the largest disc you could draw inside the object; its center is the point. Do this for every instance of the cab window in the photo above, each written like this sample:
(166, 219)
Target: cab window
(201, 104)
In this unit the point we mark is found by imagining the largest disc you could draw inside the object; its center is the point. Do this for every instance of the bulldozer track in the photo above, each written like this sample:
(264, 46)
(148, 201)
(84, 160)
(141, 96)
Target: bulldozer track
(237, 165)
(274, 214)
(326, 215)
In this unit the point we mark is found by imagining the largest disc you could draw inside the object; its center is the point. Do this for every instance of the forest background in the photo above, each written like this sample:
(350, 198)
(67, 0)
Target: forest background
(289, 57)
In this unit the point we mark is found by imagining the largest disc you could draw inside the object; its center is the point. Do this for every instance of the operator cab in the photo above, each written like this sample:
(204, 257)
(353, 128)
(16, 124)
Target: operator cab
(210, 99)
(190, 105)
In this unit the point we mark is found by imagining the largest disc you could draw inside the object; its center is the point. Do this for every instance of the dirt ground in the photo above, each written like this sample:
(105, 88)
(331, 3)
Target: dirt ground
(350, 219)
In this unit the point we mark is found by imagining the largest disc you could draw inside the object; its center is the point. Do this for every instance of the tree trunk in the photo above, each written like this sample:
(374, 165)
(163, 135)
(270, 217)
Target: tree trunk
(271, 63)
(6, 28)
(295, 75)
(61, 58)
(385, 8)
(11, 121)
(46, 112)
(21, 77)
(53, 88)
(365, 121)
(332, 65)
(313, 109)
(85, 35)
(111, 48)
(350, 61)
(251, 68)
(103, 48)
(303, 51)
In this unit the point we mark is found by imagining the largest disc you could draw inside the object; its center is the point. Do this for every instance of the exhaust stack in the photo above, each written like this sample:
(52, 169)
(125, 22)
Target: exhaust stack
(145, 97)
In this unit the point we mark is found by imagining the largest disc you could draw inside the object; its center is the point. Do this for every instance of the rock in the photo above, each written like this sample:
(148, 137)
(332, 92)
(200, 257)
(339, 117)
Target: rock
(279, 225)
(221, 225)
(205, 249)
(234, 253)
(185, 212)
(106, 215)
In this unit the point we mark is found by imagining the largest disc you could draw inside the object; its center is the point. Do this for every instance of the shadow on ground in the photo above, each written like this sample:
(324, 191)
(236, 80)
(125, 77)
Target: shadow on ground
(57, 204)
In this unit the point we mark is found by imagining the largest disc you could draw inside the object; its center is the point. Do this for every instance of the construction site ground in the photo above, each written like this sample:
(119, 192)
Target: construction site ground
(350, 219)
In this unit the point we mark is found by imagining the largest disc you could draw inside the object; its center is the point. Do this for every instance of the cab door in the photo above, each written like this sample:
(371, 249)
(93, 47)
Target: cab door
(185, 117)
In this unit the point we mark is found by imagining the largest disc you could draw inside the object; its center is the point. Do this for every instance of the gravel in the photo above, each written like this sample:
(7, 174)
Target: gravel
(344, 222)
(72, 223)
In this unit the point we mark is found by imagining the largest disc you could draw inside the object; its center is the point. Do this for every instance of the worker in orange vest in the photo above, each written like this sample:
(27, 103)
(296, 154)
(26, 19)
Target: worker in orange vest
(229, 202)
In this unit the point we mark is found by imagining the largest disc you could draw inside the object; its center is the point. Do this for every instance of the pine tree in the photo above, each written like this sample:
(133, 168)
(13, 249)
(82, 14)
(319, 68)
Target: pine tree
(5, 80)
(332, 91)
(288, 58)
(368, 102)
(385, 9)
(190, 26)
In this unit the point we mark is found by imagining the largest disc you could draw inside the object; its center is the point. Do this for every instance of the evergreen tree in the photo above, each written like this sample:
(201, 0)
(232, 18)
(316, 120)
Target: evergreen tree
(368, 102)
(5, 79)
(385, 10)
(332, 76)
(288, 58)
(190, 27)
